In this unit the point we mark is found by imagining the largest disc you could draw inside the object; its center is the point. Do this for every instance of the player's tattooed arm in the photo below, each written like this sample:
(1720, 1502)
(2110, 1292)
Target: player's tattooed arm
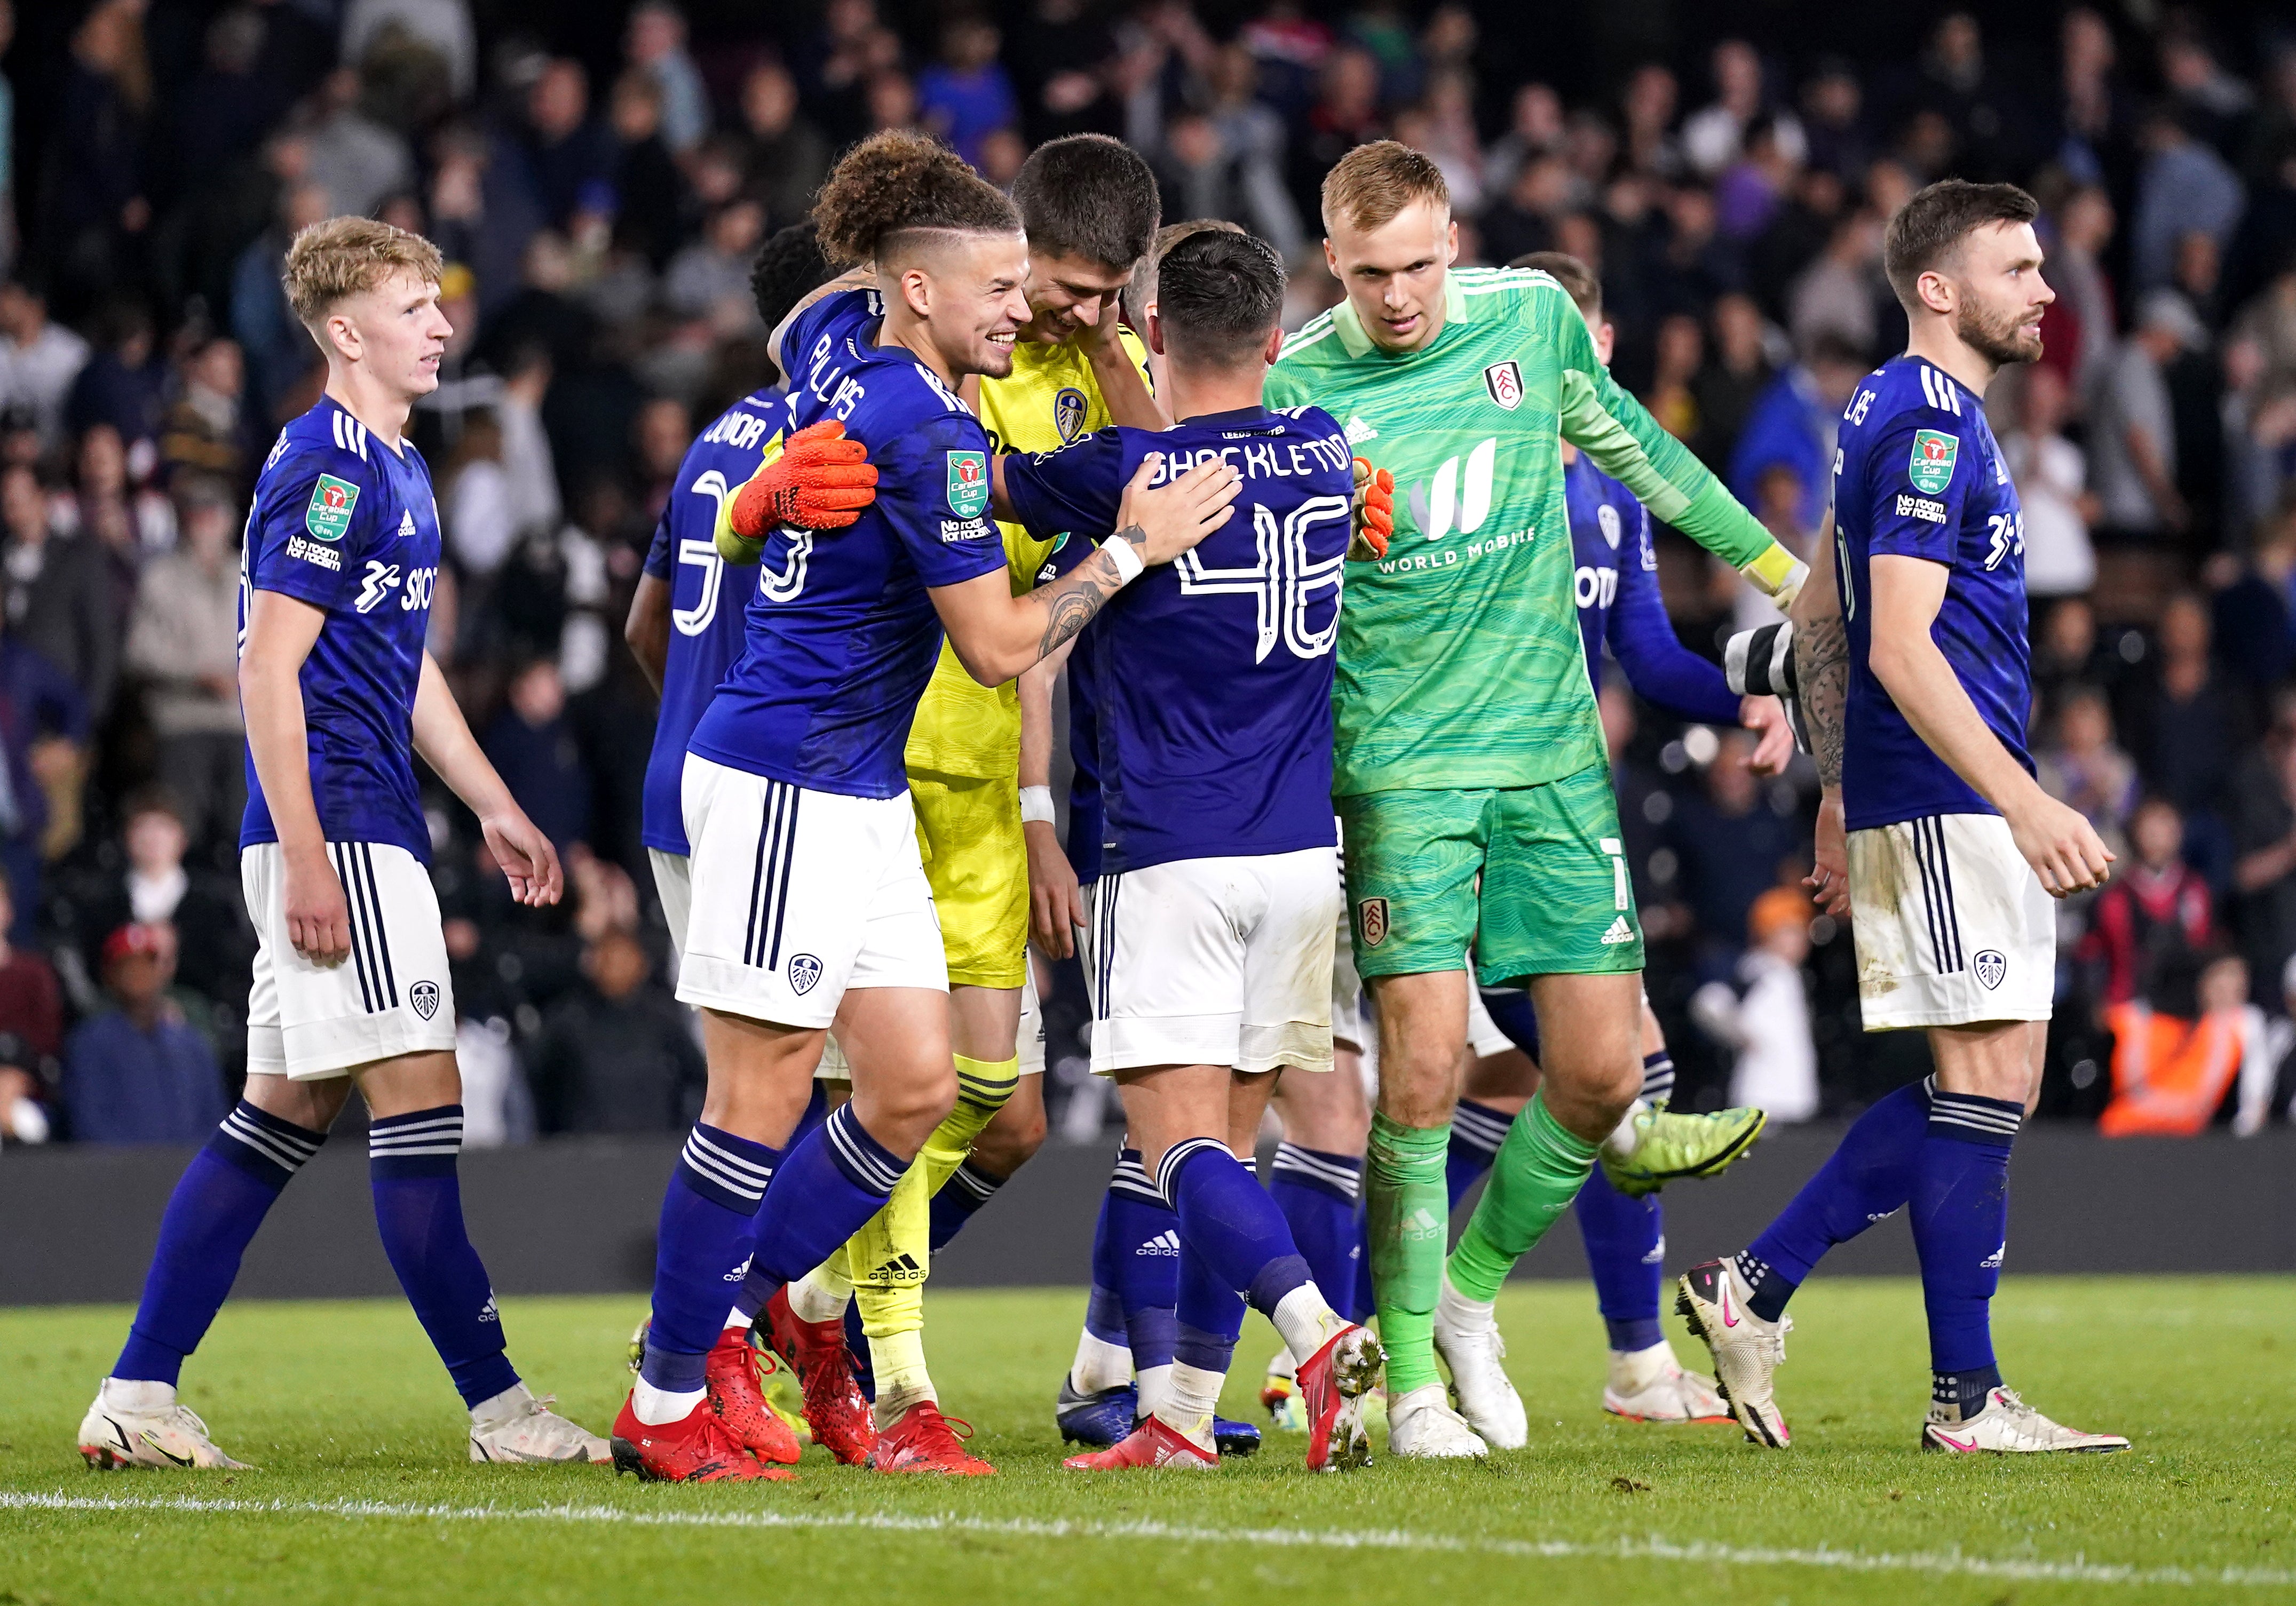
(1821, 650)
(997, 634)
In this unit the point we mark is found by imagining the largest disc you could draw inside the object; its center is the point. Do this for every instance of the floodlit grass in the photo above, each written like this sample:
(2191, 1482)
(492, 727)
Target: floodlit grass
(363, 1492)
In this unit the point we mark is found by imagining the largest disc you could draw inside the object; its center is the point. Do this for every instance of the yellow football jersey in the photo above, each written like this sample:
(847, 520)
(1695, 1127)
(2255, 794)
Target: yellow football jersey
(1049, 399)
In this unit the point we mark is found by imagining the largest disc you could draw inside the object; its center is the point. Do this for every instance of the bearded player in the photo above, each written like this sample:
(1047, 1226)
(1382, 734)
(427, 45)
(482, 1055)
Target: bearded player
(1471, 775)
(1915, 680)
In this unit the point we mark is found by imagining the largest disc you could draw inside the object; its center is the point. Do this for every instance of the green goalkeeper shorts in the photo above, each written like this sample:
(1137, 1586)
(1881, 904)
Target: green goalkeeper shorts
(1533, 879)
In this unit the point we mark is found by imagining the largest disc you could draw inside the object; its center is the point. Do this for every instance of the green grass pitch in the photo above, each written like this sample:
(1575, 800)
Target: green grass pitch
(365, 1494)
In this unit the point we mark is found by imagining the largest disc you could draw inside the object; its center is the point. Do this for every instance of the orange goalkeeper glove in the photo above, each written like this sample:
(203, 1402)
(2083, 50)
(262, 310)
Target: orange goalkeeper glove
(1375, 512)
(821, 481)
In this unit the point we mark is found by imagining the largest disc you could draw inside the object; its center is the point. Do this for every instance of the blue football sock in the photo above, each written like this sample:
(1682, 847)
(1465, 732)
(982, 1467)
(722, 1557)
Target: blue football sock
(968, 1188)
(418, 1208)
(1626, 1251)
(1104, 1311)
(221, 1199)
(1477, 1131)
(1143, 1246)
(1228, 1220)
(1317, 1192)
(1361, 1307)
(1658, 1076)
(1869, 1175)
(708, 1221)
(1211, 1317)
(1511, 1011)
(1961, 1228)
(831, 1185)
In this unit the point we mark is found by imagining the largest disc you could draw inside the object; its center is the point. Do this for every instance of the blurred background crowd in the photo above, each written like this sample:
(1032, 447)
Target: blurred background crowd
(599, 176)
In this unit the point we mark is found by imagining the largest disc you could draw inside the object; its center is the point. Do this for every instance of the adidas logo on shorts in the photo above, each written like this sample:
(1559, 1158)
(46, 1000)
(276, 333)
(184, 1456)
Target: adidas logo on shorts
(1167, 1242)
(1620, 931)
(900, 1269)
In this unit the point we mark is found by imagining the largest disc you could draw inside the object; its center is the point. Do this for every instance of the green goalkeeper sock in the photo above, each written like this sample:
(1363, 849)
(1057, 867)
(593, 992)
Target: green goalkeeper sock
(1407, 1217)
(1539, 1170)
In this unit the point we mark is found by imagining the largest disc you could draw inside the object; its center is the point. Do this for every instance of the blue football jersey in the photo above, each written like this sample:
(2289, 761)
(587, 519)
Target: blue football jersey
(1211, 676)
(343, 522)
(841, 634)
(1614, 581)
(1918, 474)
(705, 619)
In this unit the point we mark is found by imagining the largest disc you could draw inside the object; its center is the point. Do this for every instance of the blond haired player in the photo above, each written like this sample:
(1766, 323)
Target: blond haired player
(350, 982)
(1090, 207)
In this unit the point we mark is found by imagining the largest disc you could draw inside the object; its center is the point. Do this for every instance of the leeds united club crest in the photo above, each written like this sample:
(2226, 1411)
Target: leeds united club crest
(1068, 412)
(424, 996)
(804, 971)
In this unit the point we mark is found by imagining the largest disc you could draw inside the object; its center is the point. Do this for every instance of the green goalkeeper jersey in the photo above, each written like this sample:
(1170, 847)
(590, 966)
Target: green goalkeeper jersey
(1460, 661)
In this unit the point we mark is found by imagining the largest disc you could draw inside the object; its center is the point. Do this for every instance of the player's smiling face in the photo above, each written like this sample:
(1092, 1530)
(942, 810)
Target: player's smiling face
(2002, 294)
(395, 332)
(1068, 294)
(1393, 274)
(974, 302)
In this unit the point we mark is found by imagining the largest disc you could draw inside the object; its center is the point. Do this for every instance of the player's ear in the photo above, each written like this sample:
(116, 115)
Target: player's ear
(916, 291)
(1450, 242)
(1332, 259)
(1273, 346)
(1937, 293)
(1156, 331)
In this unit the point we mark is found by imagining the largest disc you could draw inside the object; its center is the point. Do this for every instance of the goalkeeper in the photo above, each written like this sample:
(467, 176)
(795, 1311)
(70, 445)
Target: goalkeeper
(1470, 776)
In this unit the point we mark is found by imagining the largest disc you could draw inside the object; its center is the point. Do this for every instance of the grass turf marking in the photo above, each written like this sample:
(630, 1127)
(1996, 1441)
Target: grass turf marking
(1943, 1564)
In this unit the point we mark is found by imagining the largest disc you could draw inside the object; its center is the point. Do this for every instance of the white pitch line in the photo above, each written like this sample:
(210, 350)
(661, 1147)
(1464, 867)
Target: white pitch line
(1950, 1563)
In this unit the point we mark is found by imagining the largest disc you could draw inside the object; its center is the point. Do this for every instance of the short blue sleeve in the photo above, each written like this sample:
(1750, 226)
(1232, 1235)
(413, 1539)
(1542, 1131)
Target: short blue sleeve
(1917, 476)
(1075, 490)
(832, 316)
(314, 517)
(659, 560)
(932, 488)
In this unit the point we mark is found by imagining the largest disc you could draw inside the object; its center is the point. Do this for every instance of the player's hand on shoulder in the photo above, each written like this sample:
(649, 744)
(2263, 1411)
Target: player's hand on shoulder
(318, 914)
(1164, 520)
(823, 480)
(527, 860)
(1372, 525)
(2061, 844)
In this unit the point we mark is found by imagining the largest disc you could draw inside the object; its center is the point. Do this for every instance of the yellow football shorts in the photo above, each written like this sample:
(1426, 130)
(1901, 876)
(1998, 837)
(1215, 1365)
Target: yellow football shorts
(969, 834)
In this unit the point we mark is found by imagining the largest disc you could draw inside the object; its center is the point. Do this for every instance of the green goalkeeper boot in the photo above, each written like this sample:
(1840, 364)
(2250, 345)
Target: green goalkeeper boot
(1662, 1146)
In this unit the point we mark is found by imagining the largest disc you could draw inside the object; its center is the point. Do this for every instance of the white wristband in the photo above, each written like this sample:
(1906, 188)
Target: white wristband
(1037, 803)
(1125, 556)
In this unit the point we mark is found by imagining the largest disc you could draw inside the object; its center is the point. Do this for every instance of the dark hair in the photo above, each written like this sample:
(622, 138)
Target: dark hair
(1218, 297)
(895, 183)
(1088, 196)
(788, 265)
(1930, 228)
(1574, 276)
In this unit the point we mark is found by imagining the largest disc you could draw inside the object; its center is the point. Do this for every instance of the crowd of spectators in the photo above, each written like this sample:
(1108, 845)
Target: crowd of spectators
(598, 205)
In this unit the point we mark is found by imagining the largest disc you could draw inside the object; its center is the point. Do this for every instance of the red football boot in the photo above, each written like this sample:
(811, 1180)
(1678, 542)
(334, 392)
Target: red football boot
(1153, 1444)
(696, 1449)
(736, 1385)
(1331, 1386)
(835, 1408)
(925, 1441)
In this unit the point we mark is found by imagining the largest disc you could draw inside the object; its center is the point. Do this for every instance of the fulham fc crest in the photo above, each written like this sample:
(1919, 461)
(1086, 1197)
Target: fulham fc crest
(804, 971)
(1504, 380)
(424, 996)
(1370, 920)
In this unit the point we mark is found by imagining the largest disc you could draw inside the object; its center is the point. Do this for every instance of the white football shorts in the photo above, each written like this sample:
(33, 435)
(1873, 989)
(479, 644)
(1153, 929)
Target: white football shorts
(393, 997)
(1952, 926)
(1030, 1044)
(673, 883)
(1216, 962)
(799, 896)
